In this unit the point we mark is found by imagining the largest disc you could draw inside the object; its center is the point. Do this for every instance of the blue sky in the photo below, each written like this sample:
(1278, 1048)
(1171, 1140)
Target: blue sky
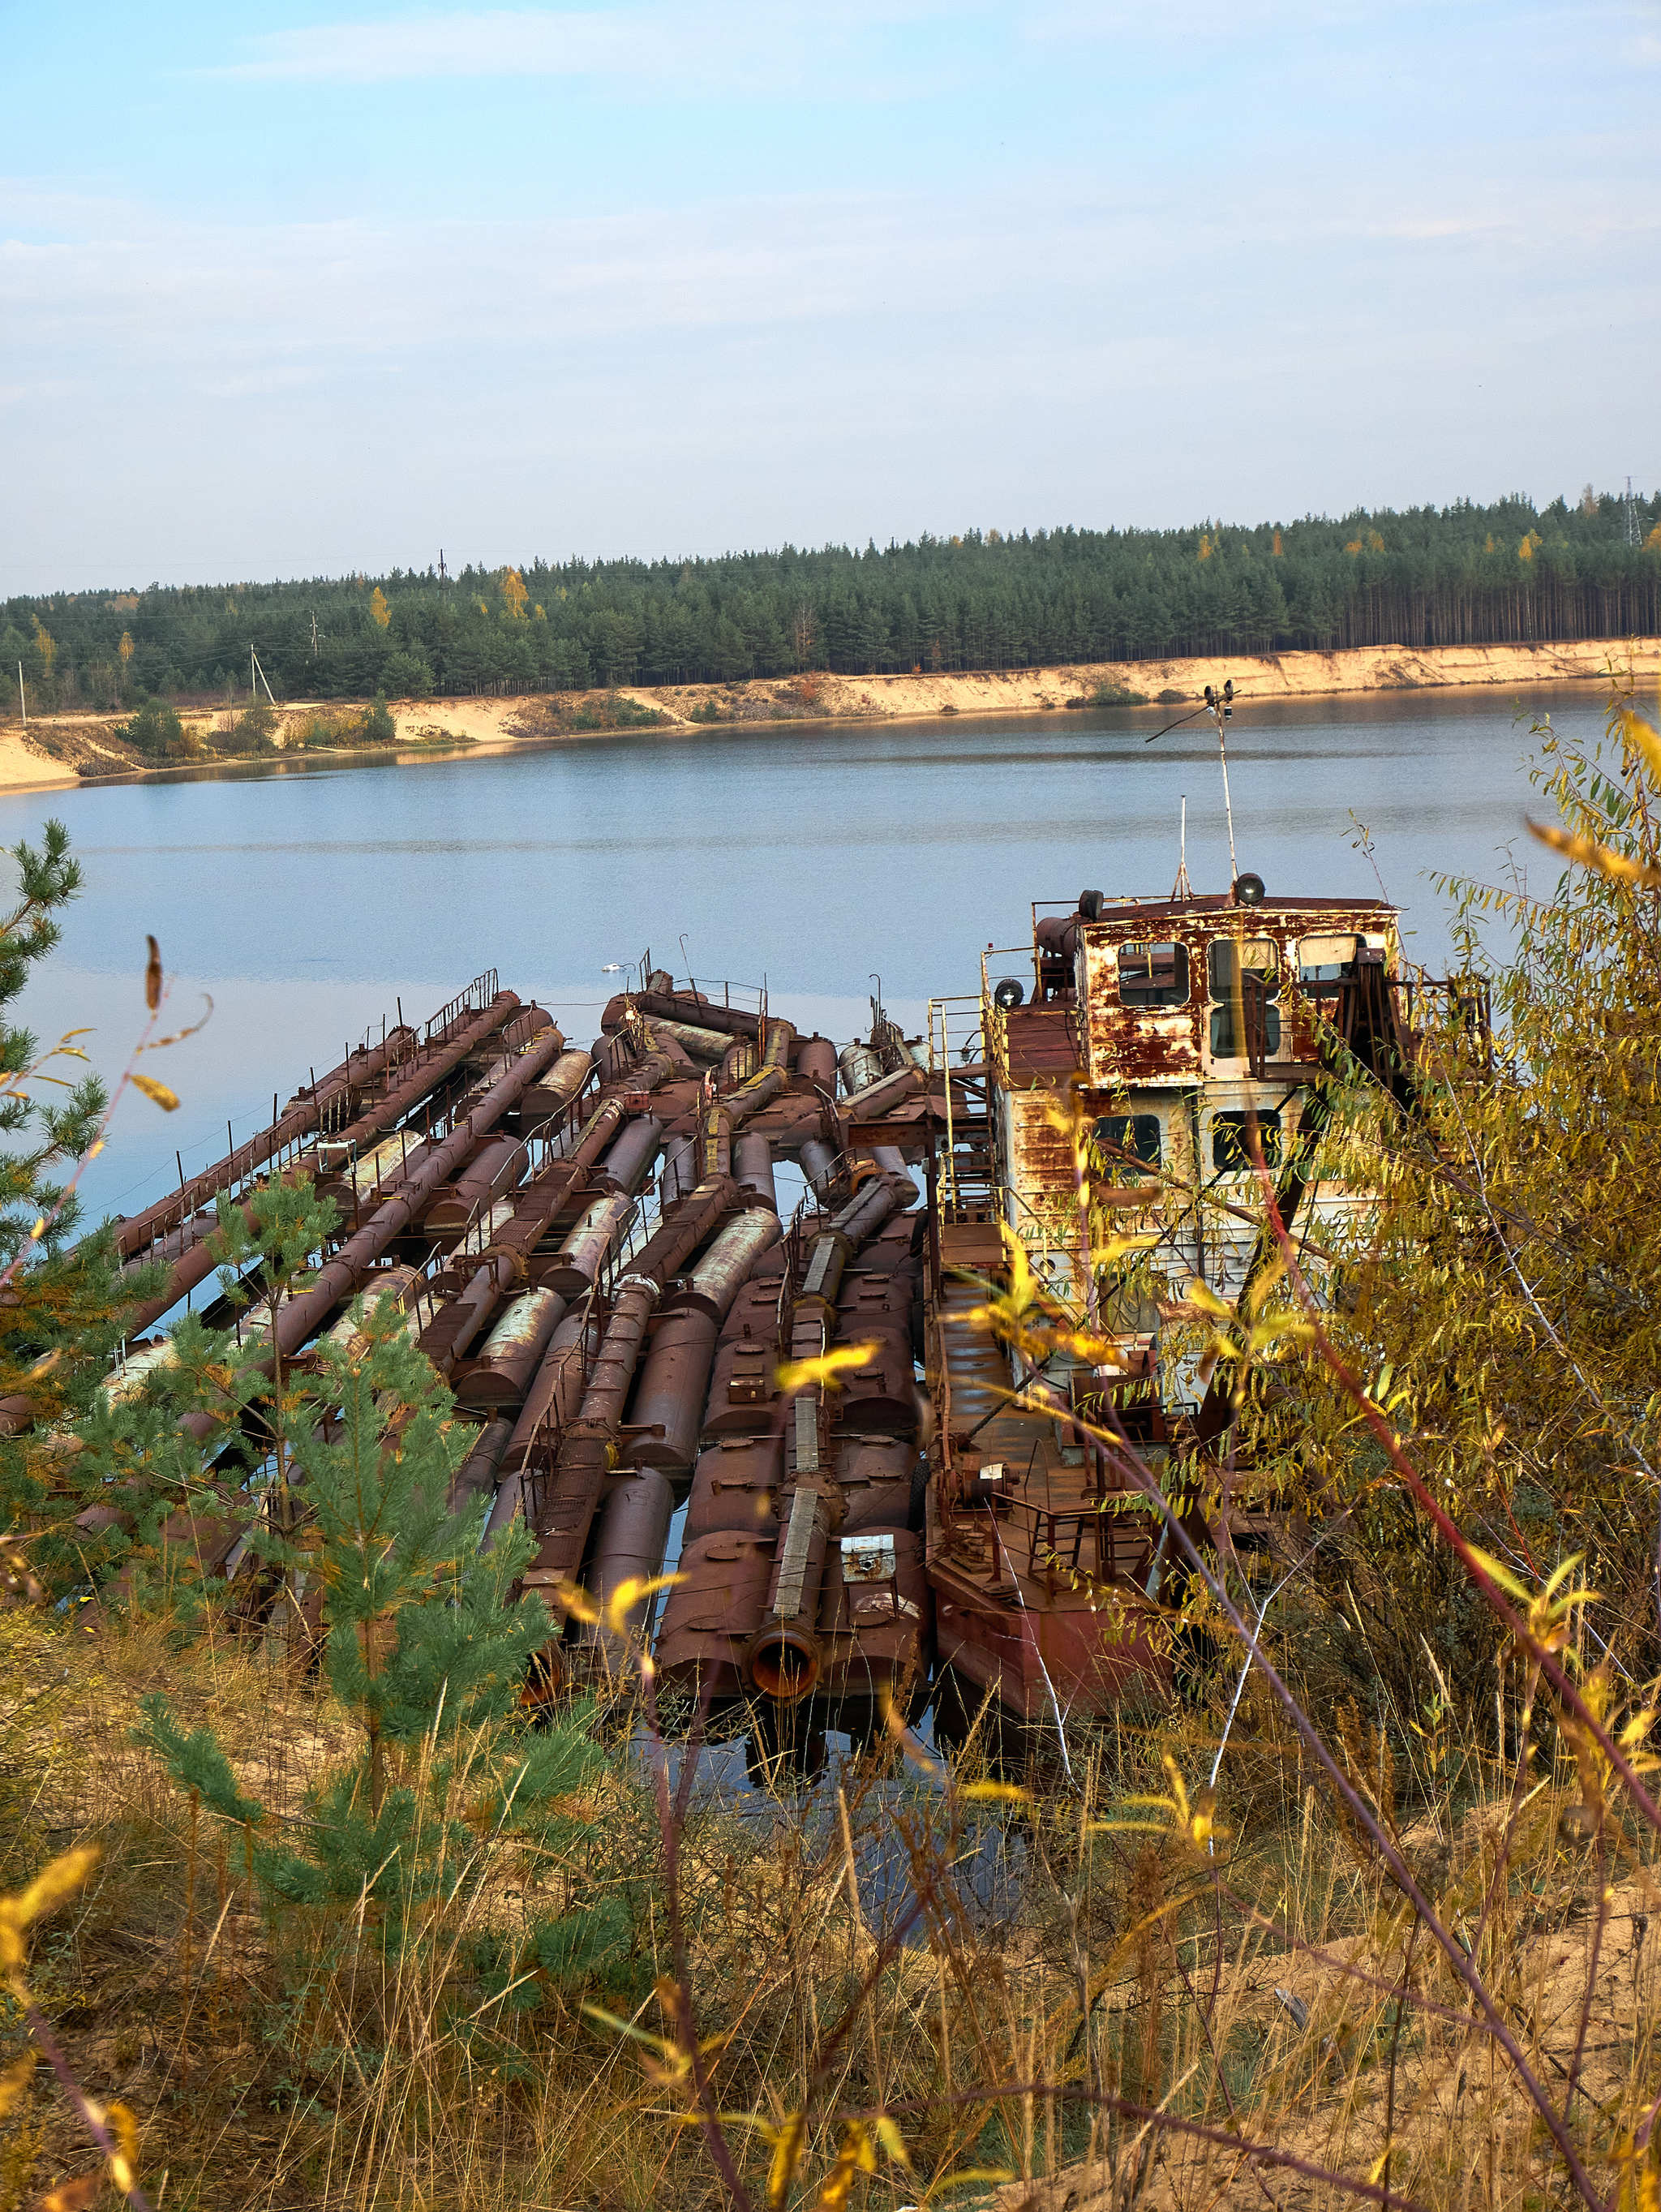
(324, 288)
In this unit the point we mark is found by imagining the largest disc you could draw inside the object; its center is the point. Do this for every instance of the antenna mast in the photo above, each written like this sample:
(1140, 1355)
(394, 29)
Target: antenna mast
(1182, 889)
(1221, 704)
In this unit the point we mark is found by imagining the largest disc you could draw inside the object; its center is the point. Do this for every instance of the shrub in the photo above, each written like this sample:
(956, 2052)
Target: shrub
(252, 731)
(156, 731)
(378, 727)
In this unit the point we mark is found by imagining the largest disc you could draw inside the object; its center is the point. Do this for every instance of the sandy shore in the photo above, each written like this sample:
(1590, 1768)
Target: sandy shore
(47, 754)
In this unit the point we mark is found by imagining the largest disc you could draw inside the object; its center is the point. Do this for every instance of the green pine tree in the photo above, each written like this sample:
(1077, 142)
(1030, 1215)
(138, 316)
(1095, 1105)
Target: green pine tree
(61, 1314)
(423, 1650)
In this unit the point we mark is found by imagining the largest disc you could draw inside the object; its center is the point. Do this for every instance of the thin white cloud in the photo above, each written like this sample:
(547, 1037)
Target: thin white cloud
(738, 44)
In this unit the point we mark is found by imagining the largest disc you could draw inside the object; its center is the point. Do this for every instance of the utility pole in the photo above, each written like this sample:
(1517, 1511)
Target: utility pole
(443, 573)
(1631, 515)
(314, 632)
(23, 703)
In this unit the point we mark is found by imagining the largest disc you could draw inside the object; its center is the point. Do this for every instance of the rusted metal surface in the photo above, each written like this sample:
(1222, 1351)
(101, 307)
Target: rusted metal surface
(506, 1361)
(629, 1543)
(668, 1406)
(752, 1163)
(816, 1063)
(576, 1266)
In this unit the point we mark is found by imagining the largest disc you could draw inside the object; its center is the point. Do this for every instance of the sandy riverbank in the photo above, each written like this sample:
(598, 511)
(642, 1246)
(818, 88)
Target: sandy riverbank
(55, 745)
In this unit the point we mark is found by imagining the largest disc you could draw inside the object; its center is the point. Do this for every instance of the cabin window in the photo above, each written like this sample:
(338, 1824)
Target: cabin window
(1228, 959)
(1327, 959)
(1231, 1151)
(1153, 975)
(1134, 1134)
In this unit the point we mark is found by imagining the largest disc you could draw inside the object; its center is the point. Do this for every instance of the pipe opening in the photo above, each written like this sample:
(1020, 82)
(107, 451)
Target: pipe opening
(785, 1665)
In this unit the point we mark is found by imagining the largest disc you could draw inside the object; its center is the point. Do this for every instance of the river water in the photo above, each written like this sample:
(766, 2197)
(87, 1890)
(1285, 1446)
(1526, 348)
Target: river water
(306, 900)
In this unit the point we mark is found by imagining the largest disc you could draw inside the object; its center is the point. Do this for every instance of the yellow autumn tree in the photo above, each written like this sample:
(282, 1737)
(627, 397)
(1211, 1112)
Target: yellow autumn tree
(1277, 548)
(1205, 546)
(125, 648)
(514, 592)
(1526, 550)
(45, 645)
(381, 613)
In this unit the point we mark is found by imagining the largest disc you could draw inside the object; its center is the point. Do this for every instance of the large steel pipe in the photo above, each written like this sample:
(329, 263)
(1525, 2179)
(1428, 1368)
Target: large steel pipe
(878, 1098)
(680, 1170)
(691, 1009)
(629, 1544)
(785, 1658)
(478, 1471)
(580, 1471)
(495, 1168)
(576, 1266)
(859, 1067)
(388, 1112)
(625, 1162)
(669, 1395)
(816, 1063)
(301, 1116)
(817, 1160)
(339, 1277)
(731, 1260)
(508, 1358)
(752, 1162)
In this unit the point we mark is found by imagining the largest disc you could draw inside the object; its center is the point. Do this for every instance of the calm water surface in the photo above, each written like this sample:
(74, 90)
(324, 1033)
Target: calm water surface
(306, 901)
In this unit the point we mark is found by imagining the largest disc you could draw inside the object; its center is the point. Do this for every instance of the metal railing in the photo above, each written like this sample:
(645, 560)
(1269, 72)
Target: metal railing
(474, 999)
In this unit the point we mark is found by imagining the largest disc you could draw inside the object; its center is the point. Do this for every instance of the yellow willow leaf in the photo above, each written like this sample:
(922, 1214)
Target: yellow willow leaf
(1116, 1247)
(892, 2141)
(1197, 1293)
(786, 2157)
(1642, 738)
(629, 1594)
(1587, 853)
(15, 2080)
(996, 1793)
(576, 1602)
(794, 1375)
(1502, 1575)
(158, 1093)
(964, 2176)
(153, 976)
(627, 2027)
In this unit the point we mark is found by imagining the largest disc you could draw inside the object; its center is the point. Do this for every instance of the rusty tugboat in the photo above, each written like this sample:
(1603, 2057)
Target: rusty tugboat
(589, 1246)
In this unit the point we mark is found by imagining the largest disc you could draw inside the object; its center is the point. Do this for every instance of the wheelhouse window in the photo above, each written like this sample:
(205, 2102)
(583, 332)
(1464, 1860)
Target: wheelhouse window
(1228, 961)
(1153, 975)
(1128, 1138)
(1231, 1149)
(1327, 959)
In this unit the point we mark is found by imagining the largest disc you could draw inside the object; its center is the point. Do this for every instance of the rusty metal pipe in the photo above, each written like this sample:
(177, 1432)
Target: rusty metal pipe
(625, 1162)
(388, 1112)
(785, 1658)
(477, 1471)
(298, 1120)
(859, 1067)
(817, 1161)
(629, 1544)
(576, 1266)
(816, 1063)
(670, 1395)
(715, 1282)
(705, 1046)
(339, 1277)
(875, 1099)
(752, 1162)
(510, 1356)
(680, 1170)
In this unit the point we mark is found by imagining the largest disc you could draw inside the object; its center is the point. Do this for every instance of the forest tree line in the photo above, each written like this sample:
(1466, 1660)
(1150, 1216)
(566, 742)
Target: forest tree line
(1463, 574)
